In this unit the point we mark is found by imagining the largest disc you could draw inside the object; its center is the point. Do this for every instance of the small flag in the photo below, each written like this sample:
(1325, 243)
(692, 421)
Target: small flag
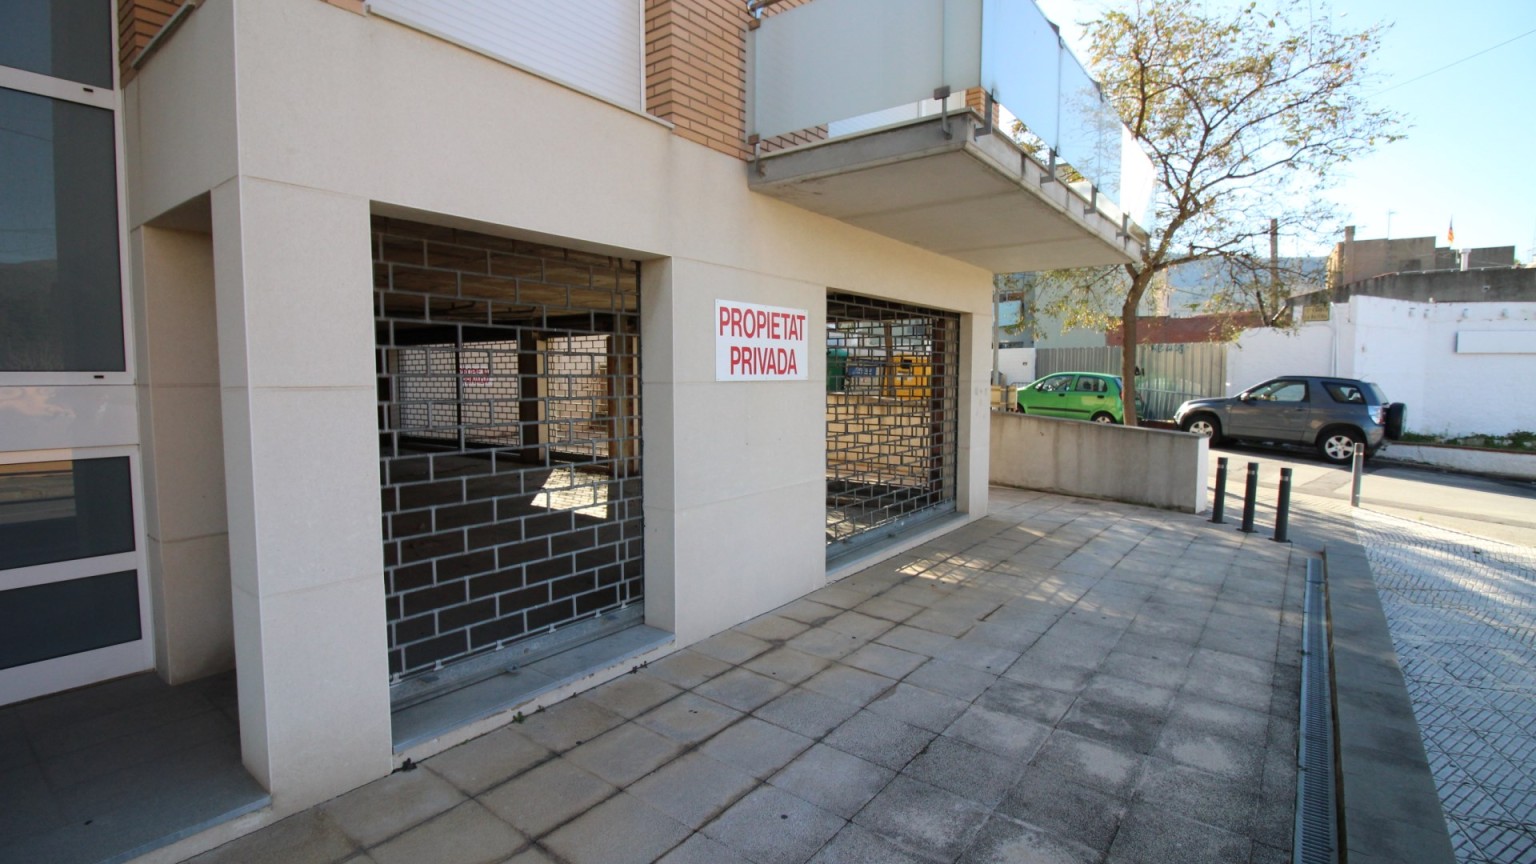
(1450, 233)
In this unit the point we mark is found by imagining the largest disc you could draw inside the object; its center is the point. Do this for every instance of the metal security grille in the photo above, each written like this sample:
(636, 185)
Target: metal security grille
(892, 417)
(509, 440)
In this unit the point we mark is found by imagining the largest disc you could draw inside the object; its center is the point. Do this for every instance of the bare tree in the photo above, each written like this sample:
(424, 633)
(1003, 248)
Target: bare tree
(1245, 113)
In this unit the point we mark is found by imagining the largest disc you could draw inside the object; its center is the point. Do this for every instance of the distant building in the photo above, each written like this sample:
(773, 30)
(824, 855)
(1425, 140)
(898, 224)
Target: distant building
(1414, 268)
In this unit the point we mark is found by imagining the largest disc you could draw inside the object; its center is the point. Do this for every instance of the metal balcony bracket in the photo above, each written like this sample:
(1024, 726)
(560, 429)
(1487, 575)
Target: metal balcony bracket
(987, 127)
(1093, 201)
(755, 142)
(1050, 169)
(1124, 234)
(942, 94)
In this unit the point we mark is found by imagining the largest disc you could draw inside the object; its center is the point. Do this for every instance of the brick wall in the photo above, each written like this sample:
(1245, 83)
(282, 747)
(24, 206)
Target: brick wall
(137, 22)
(695, 71)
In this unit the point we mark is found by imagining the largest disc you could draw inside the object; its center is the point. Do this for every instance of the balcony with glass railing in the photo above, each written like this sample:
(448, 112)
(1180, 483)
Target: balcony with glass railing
(1036, 173)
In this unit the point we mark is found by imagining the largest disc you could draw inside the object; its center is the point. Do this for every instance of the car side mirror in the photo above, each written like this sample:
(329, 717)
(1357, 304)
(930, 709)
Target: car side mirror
(1242, 397)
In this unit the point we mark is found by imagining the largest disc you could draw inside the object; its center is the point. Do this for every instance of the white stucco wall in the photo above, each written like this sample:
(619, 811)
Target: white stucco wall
(303, 119)
(1410, 350)
(1017, 365)
(1258, 355)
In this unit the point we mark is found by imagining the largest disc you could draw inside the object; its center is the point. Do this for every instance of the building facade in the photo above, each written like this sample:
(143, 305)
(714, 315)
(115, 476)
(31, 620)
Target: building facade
(372, 350)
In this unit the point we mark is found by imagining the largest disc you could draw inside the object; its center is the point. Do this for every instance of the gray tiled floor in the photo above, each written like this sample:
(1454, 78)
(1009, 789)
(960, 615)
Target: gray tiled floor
(1462, 612)
(1063, 681)
(94, 774)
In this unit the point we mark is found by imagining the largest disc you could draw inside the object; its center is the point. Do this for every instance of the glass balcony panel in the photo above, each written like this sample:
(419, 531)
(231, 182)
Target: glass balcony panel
(1021, 64)
(1138, 180)
(824, 62)
(1083, 142)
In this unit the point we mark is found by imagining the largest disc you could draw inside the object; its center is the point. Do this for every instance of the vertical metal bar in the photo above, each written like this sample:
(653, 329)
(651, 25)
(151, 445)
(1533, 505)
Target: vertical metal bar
(1283, 508)
(1250, 497)
(1219, 507)
(1357, 470)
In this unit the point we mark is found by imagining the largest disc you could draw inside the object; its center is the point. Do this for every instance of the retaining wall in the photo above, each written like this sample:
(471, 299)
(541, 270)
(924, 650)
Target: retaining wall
(1151, 467)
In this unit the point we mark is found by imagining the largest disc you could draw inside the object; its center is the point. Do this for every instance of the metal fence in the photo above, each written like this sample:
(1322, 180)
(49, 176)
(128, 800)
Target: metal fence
(1171, 373)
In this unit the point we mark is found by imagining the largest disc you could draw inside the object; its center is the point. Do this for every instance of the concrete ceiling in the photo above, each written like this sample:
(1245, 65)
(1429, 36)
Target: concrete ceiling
(980, 201)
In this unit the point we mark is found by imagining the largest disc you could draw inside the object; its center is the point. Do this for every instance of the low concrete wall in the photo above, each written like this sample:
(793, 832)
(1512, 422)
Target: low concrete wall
(1504, 463)
(1097, 460)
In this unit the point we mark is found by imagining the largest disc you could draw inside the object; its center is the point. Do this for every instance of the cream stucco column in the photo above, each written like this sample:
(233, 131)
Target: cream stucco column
(295, 330)
(735, 471)
(183, 452)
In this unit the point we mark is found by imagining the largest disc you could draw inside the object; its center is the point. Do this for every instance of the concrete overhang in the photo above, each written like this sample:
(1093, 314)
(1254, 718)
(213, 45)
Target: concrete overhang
(982, 201)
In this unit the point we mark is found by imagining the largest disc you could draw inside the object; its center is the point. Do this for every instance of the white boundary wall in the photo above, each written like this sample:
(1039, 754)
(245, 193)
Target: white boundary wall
(1410, 349)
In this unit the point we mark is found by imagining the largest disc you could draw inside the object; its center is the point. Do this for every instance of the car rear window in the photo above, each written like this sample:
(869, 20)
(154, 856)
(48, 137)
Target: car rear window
(1355, 394)
(1342, 392)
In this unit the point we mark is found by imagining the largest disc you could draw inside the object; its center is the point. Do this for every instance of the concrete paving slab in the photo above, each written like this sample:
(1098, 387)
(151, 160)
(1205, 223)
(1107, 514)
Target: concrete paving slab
(689, 718)
(622, 830)
(771, 826)
(487, 761)
(964, 702)
(694, 789)
(806, 712)
(757, 747)
(1005, 841)
(833, 780)
(1066, 808)
(547, 796)
(377, 811)
(467, 834)
(923, 818)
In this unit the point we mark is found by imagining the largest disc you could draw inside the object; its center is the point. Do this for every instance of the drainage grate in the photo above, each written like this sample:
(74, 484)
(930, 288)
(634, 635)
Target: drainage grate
(1316, 840)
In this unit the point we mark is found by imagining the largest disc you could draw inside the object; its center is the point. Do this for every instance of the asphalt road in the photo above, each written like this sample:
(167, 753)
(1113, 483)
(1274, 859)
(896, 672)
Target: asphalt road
(1494, 508)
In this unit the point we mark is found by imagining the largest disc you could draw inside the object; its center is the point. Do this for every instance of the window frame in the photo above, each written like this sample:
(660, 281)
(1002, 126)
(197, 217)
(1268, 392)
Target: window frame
(91, 96)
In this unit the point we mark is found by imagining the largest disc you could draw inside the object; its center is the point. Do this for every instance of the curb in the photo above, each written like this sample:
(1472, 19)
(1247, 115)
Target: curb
(1390, 810)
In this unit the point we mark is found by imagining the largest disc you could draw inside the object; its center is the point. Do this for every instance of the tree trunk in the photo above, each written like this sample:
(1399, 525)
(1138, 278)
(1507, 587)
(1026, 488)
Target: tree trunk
(1139, 283)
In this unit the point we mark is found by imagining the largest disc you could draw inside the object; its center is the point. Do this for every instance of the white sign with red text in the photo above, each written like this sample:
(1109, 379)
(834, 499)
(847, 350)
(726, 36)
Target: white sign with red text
(760, 343)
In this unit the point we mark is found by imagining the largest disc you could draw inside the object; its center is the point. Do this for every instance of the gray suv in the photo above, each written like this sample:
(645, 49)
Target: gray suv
(1331, 414)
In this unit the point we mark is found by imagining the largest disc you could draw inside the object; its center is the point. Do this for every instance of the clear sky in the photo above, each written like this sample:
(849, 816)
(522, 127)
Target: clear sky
(1470, 154)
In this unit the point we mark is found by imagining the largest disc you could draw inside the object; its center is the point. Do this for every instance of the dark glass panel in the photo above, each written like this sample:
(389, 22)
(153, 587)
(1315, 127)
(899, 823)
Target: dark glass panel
(60, 292)
(70, 39)
(41, 622)
(61, 511)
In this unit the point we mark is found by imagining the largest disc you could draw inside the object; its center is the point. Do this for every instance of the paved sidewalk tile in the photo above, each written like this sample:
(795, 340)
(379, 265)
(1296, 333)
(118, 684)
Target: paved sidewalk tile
(1063, 681)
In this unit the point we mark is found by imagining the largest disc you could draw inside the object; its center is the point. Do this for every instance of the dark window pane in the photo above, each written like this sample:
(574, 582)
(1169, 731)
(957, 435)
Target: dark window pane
(42, 622)
(61, 511)
(69, 39)
(60, 296)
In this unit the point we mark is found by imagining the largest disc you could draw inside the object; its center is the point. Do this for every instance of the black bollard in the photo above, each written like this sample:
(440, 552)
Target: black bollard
(1250, 497)
(1283, 508)
(1219, 508)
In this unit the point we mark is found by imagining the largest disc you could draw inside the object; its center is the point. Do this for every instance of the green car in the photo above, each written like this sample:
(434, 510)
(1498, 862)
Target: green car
(1075, 396)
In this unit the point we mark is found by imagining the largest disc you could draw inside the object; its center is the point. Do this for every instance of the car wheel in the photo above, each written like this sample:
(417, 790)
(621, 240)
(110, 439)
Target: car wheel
(1338, 445)
(1103, 417)
(1205, 426)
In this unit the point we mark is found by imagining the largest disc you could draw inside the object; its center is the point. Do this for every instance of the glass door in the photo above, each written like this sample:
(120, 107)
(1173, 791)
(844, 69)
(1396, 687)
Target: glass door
(71, 579)
(73, 607)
